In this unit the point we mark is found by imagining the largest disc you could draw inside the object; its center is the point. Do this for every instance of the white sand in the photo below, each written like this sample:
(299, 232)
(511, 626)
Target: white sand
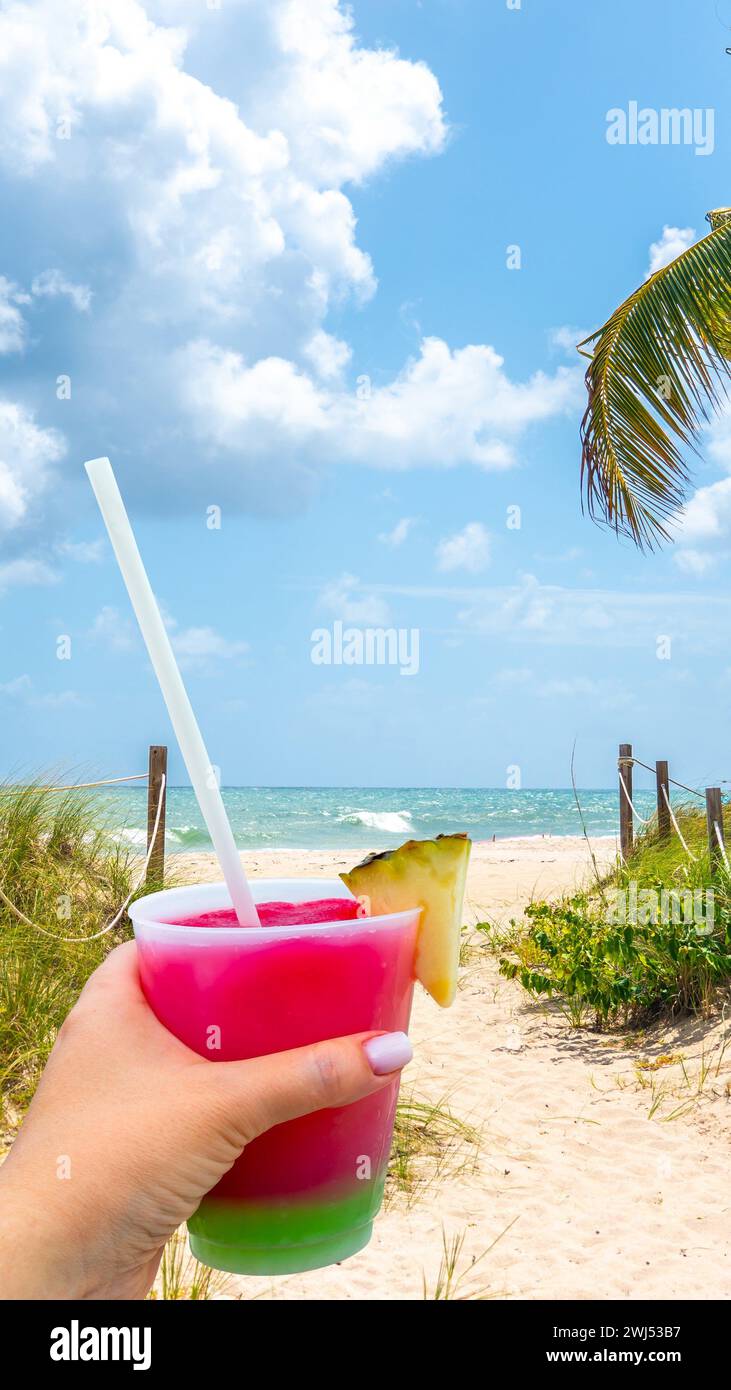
(503, 876)
(606, 1201)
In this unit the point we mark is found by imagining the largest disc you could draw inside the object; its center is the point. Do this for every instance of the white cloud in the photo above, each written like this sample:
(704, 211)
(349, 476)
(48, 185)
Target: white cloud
(196, 644)
(344, 597)
(703, 528)
(83, 552)
(467, 550)
(718, 439)
(603, 692)
(540, 611)
(52, 283)
(18, 687)
(27, 454)
(202, 183)
(347, 698)
(531, 613)
(12, 324)
(25, 571)
(23, 690)
(235, 403)
(444, 408)
(696, 562)
(399, 534)
(452, 406)
(514, 676)
(226, 213)
(113, 629)
(346, 134)
(566, 338)
(571, 688)
(607, 694)
(554, 615)
(673, 242)
(707, 516)
(328, 355)
(58, 699)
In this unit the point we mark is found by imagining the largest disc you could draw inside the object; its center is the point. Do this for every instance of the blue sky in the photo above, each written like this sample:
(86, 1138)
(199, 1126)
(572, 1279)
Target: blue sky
(267, 246)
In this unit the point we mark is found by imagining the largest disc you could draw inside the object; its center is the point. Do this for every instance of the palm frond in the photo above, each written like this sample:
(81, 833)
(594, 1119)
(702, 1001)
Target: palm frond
(659, 368)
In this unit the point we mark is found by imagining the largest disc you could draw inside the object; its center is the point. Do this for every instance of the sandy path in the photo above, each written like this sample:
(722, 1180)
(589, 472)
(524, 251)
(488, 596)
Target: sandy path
(606, 1202)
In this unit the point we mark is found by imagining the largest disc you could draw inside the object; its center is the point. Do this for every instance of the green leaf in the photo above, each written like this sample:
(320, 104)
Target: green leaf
(659, 368)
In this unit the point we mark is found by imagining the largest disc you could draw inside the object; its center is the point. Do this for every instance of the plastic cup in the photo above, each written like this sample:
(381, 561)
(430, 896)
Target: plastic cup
(305, 1193)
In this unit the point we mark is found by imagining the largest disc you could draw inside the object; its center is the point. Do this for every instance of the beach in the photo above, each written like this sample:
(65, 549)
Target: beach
(588, 1191)
(504, 875)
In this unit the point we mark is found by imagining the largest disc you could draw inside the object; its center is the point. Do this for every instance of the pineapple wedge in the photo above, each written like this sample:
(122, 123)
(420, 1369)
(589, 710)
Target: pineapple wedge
(429, 874)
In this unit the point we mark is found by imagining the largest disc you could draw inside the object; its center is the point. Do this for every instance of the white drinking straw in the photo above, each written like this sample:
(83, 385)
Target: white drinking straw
(190, 739)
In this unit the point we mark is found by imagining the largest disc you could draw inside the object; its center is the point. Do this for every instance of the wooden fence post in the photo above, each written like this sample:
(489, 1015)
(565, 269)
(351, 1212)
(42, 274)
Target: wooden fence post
(625, 810)
(714, 817)
(157, 769)
(663, 790)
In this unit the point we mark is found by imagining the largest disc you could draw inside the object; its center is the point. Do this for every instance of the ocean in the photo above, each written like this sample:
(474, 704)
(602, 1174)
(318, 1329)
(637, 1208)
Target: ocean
(365, 818)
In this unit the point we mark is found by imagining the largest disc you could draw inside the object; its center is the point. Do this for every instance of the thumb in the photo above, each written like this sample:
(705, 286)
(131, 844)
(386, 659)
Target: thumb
(266, 1091)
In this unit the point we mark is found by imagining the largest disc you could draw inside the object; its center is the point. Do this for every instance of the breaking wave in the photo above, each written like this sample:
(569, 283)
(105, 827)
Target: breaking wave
(391, 822)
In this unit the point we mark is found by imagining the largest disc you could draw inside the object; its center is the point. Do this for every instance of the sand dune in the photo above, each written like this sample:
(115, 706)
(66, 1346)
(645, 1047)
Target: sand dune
(595, 1198)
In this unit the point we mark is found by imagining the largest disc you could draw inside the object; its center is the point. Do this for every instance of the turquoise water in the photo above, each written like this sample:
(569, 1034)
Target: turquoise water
(366, 818)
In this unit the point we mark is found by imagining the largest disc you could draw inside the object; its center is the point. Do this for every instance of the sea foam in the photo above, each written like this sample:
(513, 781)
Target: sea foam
(391, 822)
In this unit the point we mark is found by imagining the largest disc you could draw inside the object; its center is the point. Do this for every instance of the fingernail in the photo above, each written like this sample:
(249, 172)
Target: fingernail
(388, 1053)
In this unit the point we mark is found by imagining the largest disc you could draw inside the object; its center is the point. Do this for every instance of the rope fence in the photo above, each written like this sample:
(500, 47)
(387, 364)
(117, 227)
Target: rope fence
(628, 812)
(107, 782)
(721, 845)
(118, 915)
(638, 761)
(678, 831)
(635, 812)
(156, 778)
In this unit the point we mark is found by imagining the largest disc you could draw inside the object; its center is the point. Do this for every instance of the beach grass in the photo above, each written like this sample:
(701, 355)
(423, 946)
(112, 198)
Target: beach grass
(449, 1281)
(456, 1270)
(429, 1141)
(64, 873)
(182, 1277)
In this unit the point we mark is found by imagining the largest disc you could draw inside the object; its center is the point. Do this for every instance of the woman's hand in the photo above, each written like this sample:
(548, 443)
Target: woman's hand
(129, 1129)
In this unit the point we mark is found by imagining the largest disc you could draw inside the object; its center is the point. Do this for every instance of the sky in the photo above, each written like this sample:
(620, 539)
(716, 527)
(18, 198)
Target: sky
(312, 276)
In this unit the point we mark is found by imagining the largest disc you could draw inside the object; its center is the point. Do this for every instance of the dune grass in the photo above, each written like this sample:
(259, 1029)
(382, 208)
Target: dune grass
(453, 1279)
(429, 1141)
(663, 949)
(64, 872)
(657, 860)
(183, 1278)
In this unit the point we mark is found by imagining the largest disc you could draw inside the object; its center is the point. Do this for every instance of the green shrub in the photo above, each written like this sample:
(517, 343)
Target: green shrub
(616, 973)
(606, 966)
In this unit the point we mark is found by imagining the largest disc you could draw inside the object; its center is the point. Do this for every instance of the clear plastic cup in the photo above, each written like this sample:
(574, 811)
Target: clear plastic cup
(304, 1194)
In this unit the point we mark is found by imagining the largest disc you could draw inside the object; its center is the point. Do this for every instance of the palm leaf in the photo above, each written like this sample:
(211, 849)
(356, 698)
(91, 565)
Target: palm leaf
(659, 368)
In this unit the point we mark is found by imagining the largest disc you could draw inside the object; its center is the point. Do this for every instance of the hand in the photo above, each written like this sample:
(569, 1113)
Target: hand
(129, 1129)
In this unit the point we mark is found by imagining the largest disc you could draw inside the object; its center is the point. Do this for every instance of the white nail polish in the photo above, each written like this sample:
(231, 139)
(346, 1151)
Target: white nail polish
(388, 1053)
